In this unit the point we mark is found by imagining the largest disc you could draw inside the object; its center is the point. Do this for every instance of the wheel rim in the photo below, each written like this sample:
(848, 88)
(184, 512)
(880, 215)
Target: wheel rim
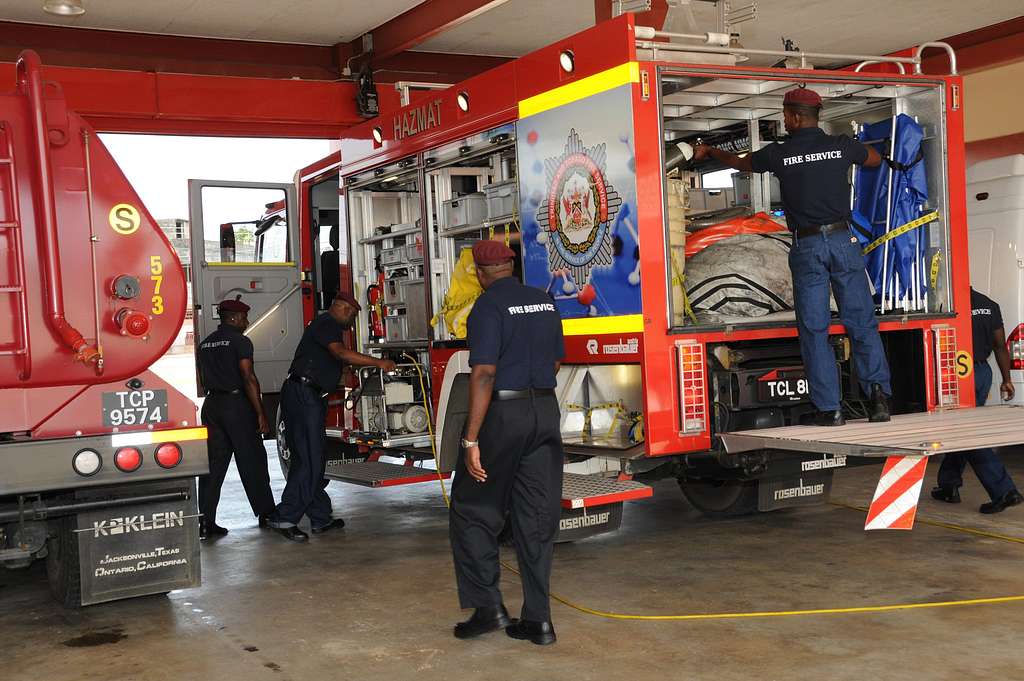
(713, 495)
(283, 455)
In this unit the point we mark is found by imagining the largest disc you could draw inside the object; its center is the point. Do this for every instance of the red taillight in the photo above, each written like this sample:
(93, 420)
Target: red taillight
(692, 387)
(945, 367)
(1015, 346)
(168, 455)
(128, 459)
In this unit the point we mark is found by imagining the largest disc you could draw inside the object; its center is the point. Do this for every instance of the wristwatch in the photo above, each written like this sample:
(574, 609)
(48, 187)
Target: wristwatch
(466, 444)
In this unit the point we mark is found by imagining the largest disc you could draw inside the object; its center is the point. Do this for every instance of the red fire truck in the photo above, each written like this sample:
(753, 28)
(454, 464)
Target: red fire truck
(568, 154)
(98, 455)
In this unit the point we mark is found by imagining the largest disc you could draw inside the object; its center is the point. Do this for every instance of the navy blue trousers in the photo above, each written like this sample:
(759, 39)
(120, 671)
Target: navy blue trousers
(304, 413)
(986, 463)
(521, 450)
(835, 260)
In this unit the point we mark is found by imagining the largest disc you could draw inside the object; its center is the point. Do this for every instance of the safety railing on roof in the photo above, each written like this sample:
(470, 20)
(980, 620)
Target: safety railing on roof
(718, 43)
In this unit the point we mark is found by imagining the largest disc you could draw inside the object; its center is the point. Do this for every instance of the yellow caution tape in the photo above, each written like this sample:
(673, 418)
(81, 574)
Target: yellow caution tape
(901, 230)
(678, 280)
(934, 278)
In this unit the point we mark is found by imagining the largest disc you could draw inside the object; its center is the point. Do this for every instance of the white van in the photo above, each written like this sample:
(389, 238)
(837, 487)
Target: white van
(995, 220)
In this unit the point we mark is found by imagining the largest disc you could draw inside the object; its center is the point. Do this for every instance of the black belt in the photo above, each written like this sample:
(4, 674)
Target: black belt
(213, 392)
(822, 230)
(502, 395)
(308, 382)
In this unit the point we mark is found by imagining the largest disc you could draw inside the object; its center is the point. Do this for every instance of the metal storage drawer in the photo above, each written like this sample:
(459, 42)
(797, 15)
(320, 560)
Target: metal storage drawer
(502, 198)
(470, 209)
(393, 256)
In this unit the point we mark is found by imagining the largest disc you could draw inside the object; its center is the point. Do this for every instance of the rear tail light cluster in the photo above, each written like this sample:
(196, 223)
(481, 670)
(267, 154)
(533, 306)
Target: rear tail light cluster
(88, 462)
(945, 367)
(1015, 346)
(168, 455)
(692, 387)
(128, 459)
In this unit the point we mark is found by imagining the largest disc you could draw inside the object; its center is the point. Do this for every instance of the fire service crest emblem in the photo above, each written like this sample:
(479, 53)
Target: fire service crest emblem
(576, 216)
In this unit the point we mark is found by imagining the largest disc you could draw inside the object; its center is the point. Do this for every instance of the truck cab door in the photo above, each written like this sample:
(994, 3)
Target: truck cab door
(245, 241)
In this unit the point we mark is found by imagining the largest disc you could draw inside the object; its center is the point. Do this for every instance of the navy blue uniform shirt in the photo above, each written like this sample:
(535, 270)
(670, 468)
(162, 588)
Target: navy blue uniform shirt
(312, 358)
(517, 329)
(986, 317)
(812, 168)
(219, 354)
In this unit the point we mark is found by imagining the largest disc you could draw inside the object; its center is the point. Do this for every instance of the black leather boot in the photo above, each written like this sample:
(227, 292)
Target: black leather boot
(879, 405)
(1011, 498)
(541, 633)
(292, 533)
(208, 530)
(951, 495)
(829, 418)
(483, 621)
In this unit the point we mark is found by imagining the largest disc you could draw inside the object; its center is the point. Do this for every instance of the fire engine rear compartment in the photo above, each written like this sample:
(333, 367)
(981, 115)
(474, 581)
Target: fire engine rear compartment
(742, 113)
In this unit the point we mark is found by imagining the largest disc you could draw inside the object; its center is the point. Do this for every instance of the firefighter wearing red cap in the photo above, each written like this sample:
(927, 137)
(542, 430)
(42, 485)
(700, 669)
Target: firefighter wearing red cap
(315, 372)
(813, 171)
(512, 462)
(234, 418)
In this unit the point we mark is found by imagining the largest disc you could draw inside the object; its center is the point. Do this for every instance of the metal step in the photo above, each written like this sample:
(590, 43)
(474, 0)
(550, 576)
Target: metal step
(927, 433)
(586, 491)
(379, 473)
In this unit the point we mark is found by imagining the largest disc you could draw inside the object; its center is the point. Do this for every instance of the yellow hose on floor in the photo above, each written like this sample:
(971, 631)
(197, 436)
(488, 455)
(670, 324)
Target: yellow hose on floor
(742, 615)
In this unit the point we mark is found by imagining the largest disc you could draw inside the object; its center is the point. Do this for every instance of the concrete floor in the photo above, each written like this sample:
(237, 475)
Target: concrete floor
(377, 600)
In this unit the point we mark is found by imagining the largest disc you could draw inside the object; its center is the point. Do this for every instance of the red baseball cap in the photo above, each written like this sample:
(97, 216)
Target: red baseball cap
(235, 305)
(346, 297)
(801, 96)
(491, 253)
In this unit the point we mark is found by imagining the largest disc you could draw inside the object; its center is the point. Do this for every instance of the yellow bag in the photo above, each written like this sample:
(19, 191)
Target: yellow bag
(463, 290)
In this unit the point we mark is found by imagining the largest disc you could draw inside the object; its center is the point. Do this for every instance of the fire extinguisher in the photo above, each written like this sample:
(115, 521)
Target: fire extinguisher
(375, 296)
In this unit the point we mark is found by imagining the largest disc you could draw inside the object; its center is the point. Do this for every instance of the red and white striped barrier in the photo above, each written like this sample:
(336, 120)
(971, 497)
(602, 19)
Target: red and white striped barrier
(899, 489)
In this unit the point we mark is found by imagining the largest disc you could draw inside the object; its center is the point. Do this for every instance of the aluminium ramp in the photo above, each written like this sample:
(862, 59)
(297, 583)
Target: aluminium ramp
(928, 433)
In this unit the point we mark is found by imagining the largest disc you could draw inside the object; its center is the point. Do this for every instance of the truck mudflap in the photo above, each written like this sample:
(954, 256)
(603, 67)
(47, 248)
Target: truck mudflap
(806, 489)
(139, 550)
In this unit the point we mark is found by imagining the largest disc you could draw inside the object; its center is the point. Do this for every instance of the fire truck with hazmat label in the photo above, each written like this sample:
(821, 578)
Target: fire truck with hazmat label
(98, 455)
(677, 303)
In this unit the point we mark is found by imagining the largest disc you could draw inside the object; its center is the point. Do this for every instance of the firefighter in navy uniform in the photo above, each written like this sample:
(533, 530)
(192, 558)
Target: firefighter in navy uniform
(315, 372)
(234, 418)
(513, 450)
(988, 336)
(813, 171)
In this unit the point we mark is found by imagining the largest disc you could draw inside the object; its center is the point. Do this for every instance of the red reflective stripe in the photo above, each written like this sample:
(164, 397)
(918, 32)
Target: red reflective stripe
(896, 490)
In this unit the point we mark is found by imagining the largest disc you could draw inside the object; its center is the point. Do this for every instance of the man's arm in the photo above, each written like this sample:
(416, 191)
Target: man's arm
(1003, 360)
(481, 385)
(359, 359)
(703, 151)
(874, 158)
(251, 385)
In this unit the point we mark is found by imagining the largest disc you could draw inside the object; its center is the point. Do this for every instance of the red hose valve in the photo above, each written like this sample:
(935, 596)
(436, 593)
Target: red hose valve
(132, 323)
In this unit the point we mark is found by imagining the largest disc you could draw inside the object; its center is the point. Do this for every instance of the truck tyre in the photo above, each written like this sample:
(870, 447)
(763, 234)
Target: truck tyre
(283, 455)
(62, 565)
(720, 498)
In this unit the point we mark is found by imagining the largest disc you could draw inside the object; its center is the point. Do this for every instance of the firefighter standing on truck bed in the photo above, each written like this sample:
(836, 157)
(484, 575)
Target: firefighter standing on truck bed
(234, 418)
(513, 450)
(315, 372)
(812, 168)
